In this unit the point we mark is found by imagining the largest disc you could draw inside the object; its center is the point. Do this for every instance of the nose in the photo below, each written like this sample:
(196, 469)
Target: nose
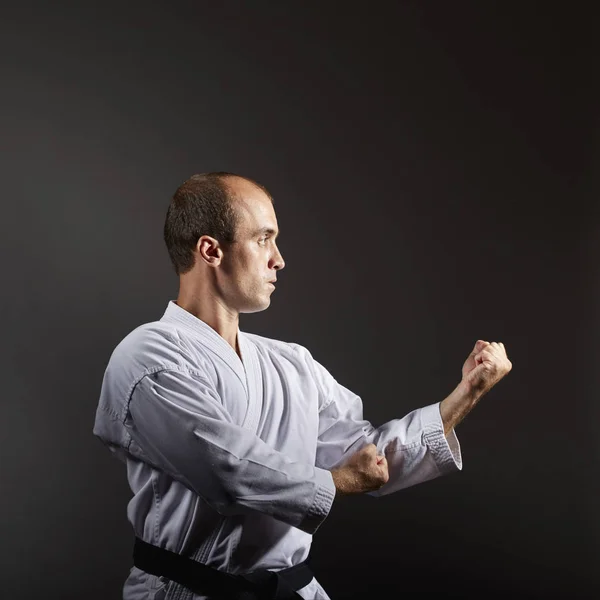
(277, 261)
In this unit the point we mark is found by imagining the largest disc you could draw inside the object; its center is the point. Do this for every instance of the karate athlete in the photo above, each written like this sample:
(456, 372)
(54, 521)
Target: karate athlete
(236, 445)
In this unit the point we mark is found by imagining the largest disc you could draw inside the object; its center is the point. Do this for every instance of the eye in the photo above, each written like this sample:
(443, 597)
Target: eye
(263, 240)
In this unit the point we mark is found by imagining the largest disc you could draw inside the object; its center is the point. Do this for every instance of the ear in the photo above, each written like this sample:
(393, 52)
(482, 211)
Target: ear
(209, 250)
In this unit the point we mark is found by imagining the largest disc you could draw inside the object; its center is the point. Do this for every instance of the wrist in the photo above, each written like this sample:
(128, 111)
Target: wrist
(455, 407)
(340, 480)
(467, 392)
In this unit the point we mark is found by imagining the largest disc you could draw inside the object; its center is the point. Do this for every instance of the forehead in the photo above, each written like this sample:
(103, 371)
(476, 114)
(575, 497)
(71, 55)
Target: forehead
(254, 208)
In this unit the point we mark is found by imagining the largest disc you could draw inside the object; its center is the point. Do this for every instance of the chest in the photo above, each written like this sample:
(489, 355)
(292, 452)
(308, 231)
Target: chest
(274, 396)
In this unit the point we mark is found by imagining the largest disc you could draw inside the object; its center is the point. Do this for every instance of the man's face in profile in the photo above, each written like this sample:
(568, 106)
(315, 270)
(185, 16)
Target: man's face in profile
(251, 263)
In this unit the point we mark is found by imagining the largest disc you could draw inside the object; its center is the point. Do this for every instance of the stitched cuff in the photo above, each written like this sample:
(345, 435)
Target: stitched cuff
(322, 501)
(444, 449)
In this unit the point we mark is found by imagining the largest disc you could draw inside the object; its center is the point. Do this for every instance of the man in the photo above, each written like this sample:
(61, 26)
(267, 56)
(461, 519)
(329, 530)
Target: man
(236, 445)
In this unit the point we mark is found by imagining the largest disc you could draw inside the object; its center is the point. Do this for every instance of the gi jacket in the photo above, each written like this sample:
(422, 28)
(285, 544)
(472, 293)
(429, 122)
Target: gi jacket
(229, 460)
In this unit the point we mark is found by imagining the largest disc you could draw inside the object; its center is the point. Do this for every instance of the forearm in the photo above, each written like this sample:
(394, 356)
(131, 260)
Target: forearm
(234, 471)
(457, 406)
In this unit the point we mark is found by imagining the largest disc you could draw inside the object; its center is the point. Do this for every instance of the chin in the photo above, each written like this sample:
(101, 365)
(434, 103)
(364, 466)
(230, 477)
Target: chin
(257, 307)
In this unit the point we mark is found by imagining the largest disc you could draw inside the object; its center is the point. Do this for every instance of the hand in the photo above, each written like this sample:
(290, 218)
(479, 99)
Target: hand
(365, 471)
(485, 366)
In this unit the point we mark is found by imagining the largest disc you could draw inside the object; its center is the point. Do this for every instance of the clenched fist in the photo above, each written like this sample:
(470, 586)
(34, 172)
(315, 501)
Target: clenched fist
(365, 471)
(485, 366)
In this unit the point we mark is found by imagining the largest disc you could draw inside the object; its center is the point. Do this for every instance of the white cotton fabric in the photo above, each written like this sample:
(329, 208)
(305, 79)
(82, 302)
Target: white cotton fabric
(229, 460)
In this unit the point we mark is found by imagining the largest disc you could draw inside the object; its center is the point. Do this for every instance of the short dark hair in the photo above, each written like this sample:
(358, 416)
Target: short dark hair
(200, 206)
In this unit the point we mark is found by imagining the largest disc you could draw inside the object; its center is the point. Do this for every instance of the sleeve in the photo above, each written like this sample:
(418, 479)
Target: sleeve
(178, 421)
(415, 446)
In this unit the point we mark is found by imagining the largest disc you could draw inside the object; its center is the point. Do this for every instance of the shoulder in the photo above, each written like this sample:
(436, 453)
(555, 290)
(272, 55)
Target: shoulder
(150, 347)
(155, 339)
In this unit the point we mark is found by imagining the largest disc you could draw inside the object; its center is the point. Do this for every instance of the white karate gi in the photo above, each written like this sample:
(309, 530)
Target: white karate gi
(229, 460)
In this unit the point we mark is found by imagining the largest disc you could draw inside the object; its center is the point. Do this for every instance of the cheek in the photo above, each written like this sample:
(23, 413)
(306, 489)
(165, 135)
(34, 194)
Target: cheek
(250, 266)
(256, 260)
(250, 270)
(245, 261)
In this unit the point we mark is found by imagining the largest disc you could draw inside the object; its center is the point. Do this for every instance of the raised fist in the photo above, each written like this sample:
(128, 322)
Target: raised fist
(364, 471)
(485, 366)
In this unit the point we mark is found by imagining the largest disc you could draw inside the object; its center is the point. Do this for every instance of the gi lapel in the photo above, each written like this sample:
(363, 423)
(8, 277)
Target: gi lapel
(254, 381)
(210, 338)
(247, 370)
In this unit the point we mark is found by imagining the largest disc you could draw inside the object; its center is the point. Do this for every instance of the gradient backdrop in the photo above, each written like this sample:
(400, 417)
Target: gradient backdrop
(432, 167)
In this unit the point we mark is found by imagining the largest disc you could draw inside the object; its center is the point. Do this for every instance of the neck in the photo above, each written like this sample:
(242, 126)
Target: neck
(211, 310)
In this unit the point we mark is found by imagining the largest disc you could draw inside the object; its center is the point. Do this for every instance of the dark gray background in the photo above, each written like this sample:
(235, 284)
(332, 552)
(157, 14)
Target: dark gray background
(432, 166)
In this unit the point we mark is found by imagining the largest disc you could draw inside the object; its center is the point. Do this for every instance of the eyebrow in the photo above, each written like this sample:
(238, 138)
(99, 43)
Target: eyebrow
(268, 230)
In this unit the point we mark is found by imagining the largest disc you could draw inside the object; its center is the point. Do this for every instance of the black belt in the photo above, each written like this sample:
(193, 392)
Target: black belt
(208, 581)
